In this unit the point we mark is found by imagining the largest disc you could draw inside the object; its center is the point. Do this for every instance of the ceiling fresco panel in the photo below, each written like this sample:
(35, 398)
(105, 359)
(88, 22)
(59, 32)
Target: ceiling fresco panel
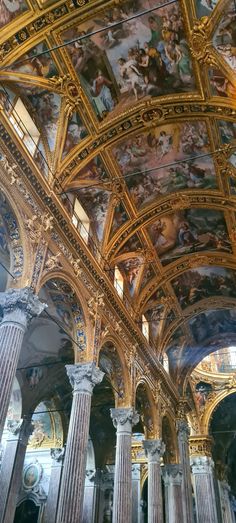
(32, 64)
(224, 39)
(227, 131)
(146, 161)
(131, 268)
(136, 60)
(220, 85)
(75, 133)
(188, 232)
(95, 170)
(10, 9)
(204, 282)
(205, 7)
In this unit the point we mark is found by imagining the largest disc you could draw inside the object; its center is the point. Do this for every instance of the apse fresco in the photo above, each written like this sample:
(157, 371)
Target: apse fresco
(119, 218)
(32, 64)
(187, 232)
(75, 133)
(150, 154)
(204, 282)
(95, 202)
(224, 39)
(47, 109)
(10, 9)
(213, 323)
(131, 268)
(205, 7)
(220, 85)
(227, 131)
(135, 60)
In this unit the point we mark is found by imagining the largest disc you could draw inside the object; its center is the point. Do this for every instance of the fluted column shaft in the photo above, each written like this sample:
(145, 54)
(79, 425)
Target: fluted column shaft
(50, 513)
(123, 420)
(183, 444)
(83, 378)
(204, 490)
(12, 468)
(19, 306)
(172, 475)
(154, 450)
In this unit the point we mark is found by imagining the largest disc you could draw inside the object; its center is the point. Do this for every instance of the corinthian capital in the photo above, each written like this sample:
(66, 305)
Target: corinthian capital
(154, 449)
(84, 377)
(20, 305)
(201, 464)
(172, 474)
(124, 419)
(183, 430)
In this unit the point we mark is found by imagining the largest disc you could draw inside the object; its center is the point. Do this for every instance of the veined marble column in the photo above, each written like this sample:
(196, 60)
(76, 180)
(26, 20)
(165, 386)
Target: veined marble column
(50, 512)
(123, 420)
(19, 307)
(172, 475)
(83, 378)
(154, 450)
(136, 492)
(226, 508)
(12, 468)
(183, 444)
(203, 484)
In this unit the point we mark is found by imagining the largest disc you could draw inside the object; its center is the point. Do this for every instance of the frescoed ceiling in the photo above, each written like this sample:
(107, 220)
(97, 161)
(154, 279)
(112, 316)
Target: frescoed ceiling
(133, 110)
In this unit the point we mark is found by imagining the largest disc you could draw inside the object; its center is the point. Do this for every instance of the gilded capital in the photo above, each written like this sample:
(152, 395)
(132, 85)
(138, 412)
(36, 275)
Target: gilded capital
(154, 449)
(20, 305)
(124, 419)
(200, 445)
(84, 376)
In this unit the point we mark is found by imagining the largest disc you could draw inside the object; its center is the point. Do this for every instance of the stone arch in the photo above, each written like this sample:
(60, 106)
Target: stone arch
(111, 361)
(71, 314)
(169, 439)
(13, 247)
(205, 422)
(145, 405)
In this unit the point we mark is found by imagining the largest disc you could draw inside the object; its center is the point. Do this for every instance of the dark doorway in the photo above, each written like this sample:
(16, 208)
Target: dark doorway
(27, 512)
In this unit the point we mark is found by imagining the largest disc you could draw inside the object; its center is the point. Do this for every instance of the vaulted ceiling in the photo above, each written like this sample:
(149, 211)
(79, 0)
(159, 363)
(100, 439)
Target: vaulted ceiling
(137, 120)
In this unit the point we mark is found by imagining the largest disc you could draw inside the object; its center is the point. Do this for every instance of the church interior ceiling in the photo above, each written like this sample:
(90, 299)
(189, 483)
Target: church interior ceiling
(133, 113)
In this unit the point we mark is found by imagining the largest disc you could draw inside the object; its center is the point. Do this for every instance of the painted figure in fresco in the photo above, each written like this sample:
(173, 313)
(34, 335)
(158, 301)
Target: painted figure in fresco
(9, 9)
(131, 77)
(225, 36)
(204, 7)
(101, 89)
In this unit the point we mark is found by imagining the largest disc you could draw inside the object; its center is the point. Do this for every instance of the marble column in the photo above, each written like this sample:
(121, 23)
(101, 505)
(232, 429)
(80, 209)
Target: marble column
(12, 468)
(203, 484)
(89, 497)
(19, 307)
(123, 420)
(226, 507)
(183, 445)
(50, 512)
(136, 492)
(83, 378)
(154, 450)
(172, 475)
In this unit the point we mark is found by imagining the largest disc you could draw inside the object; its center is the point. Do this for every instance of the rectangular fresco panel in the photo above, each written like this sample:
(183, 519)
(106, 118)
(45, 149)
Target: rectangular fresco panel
(204, 282)
(10, 9)
(35, 65)
(227, 131)
(149, 155)
(138, 59)
(189, 231)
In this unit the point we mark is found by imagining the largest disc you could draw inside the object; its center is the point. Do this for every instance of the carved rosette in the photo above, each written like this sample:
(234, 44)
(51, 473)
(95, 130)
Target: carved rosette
(124, 419)
(20, 305)
(154, 449)
(84, 377)
(200, 44)
(201, 465)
